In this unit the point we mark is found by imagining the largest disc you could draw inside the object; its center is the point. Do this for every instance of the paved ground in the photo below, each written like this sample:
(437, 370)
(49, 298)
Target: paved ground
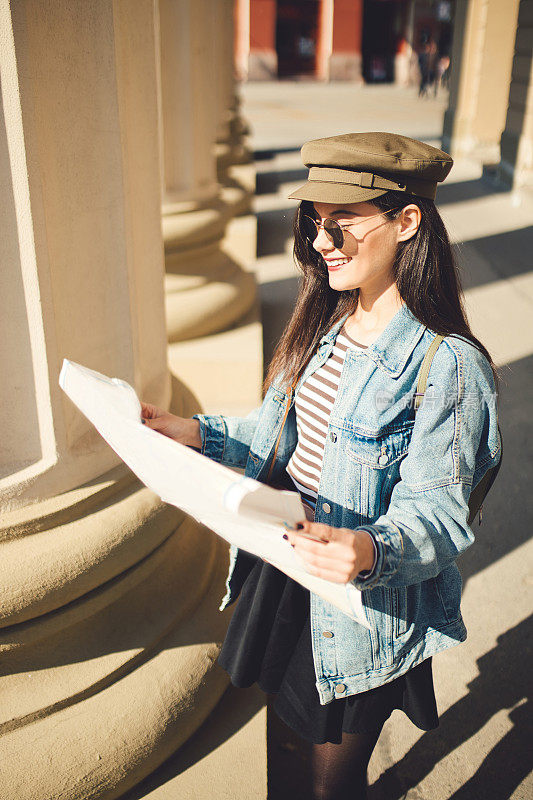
(482, 748)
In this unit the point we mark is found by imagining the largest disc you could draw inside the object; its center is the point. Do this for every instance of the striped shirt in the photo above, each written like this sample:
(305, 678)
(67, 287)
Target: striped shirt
(313, 404)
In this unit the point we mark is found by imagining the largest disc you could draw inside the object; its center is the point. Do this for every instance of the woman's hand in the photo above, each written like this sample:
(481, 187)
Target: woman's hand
(340, 555)
(182, 430)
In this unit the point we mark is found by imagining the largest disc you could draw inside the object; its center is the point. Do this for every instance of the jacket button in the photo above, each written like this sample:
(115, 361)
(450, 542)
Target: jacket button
(326, 507)
(383, 459)
(340, 688)
(333, 436)
(327, 634)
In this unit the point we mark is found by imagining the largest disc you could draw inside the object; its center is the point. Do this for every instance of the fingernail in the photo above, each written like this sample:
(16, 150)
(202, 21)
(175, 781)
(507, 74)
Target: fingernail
(285, 536)
(298, 526)
(143, 421)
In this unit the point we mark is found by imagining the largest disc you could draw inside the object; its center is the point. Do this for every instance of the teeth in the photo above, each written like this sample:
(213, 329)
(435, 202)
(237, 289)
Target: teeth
(337, 262)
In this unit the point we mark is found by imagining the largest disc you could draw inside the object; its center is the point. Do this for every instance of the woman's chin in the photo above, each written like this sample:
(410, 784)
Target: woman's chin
(341, 281)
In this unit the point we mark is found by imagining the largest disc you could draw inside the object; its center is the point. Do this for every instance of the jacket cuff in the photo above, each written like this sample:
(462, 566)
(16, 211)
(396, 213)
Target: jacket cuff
(389, 553)
(213, 435)
(366, 573)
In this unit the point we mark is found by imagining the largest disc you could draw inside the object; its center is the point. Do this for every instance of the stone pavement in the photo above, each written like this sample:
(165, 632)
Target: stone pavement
(482, 748)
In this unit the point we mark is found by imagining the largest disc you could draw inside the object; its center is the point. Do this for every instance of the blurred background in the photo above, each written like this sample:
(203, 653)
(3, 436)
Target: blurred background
(361, 41)
(146, 154)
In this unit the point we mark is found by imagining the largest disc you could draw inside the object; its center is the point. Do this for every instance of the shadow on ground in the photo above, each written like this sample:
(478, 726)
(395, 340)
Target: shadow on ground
(504, 683)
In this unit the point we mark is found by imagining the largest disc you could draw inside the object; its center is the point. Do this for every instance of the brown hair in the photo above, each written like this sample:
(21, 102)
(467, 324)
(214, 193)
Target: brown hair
(426, 275)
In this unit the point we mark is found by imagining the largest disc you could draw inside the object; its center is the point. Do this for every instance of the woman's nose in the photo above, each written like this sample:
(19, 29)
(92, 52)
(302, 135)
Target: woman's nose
(323, 243)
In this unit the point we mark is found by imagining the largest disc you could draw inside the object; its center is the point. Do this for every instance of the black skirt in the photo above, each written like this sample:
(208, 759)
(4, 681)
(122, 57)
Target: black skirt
(268, 641)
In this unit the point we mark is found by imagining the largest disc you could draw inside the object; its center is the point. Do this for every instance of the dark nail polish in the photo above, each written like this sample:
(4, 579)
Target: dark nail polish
(285, 536)
(298, 526)
(143, 422)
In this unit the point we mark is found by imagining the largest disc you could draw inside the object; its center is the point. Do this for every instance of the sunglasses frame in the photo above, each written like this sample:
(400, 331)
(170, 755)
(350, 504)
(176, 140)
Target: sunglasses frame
(339, 227)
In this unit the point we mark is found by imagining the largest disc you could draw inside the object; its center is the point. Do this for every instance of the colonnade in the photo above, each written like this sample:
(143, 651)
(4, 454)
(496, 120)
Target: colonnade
(490, 113)
(120, 128)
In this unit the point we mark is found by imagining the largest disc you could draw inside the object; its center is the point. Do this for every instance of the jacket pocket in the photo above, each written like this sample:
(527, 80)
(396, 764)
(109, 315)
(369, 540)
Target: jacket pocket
(399, 610)
(376, 458)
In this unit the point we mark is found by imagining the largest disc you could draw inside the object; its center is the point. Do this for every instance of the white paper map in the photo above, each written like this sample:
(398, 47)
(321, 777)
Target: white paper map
(243, 511)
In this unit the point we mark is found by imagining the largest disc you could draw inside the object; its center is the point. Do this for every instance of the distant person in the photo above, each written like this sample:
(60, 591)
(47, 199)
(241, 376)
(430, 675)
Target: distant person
(442, 73)
(427, 62)
(386, 492)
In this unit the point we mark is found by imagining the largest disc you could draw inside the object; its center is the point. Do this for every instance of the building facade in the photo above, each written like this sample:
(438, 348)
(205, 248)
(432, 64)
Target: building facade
(363, 41)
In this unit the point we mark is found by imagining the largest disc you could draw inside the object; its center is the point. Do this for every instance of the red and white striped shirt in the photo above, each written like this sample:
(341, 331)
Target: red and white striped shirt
(313, 404)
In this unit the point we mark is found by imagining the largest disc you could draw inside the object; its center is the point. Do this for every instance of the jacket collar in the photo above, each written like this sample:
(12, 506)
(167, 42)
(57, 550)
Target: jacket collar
(393, 347)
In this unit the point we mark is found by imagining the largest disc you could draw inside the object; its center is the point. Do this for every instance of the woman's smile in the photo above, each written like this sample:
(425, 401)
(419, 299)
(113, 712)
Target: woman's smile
(336, 263)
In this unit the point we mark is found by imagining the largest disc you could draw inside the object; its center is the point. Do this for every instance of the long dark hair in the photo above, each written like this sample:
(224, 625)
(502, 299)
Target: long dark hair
(426, 274)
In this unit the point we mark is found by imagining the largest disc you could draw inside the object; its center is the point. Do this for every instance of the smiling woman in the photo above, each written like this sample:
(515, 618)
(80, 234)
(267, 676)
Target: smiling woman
(378, 273)
(387, 492)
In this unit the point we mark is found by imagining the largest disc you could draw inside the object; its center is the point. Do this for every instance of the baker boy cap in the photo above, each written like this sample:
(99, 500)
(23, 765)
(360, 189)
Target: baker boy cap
(357, 167)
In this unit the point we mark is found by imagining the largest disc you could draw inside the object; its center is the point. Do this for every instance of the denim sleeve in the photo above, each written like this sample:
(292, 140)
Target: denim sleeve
(227, 439)
(454, 441)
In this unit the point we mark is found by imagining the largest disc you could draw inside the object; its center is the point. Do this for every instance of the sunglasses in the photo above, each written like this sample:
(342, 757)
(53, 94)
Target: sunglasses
(332, 229)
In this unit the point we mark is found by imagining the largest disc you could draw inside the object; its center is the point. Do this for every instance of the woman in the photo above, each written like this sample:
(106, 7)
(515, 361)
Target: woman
(385, 487)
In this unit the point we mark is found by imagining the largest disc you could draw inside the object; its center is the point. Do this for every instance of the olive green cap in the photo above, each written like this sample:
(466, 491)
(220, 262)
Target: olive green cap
(357, 167)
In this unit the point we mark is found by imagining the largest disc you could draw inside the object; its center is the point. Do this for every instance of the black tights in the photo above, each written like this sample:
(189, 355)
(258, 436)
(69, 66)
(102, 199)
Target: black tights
(339, 770)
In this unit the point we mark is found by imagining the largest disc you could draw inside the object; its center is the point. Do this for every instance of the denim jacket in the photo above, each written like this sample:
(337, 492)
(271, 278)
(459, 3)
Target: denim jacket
(405, 481)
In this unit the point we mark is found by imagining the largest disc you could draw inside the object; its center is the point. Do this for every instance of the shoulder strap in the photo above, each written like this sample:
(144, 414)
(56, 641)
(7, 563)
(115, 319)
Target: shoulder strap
(481, 489)
(424, 370)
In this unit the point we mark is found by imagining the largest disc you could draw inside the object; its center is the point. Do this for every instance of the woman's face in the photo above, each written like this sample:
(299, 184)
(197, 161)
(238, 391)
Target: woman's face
(367, 256)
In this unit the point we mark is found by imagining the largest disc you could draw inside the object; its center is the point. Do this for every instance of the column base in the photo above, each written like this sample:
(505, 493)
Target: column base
(206, 289)
(110, 667)
(345, 67)
(211, 763)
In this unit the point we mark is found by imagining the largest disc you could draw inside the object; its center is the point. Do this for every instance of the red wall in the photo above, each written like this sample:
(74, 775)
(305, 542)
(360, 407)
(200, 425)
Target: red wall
(347, 26)
(262, 24)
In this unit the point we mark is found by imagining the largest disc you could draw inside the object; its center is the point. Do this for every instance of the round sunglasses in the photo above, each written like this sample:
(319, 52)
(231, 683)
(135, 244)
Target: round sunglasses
(332, 229)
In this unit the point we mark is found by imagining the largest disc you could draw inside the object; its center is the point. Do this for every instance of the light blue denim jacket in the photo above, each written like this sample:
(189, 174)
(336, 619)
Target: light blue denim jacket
(406, 482)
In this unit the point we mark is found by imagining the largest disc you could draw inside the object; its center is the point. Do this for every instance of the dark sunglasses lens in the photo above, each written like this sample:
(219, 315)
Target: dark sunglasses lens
(309, 228)
(334, 232)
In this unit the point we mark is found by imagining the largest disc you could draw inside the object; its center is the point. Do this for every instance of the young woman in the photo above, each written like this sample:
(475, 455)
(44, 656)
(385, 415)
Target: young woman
(385, 487)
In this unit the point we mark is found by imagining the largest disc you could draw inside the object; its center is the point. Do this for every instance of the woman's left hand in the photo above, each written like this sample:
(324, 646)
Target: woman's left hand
(340, 556)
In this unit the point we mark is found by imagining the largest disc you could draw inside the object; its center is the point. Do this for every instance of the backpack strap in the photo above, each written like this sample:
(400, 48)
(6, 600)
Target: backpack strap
(424, 370)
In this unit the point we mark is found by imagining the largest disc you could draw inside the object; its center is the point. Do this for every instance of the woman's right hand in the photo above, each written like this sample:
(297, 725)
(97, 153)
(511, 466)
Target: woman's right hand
(180, 429)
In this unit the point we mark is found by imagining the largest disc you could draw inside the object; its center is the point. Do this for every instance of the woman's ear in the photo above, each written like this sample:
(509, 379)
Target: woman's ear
(409, 221)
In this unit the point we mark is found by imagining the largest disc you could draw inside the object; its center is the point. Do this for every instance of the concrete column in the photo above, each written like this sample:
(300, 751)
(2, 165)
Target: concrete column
(235, 169)
(231, 130)
(108, 622)
(324, 45)
(405, 54)
(242, 39)
(206, 290)
(223, 18)
(481, 61)
(516, 166)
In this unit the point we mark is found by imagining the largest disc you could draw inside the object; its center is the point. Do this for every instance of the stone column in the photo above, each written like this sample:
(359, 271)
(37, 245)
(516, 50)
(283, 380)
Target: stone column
(242, 39)
(516, 166)
(108, 622)
(481, 61)
(405, 54)
(206, 290)
(235, 169)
